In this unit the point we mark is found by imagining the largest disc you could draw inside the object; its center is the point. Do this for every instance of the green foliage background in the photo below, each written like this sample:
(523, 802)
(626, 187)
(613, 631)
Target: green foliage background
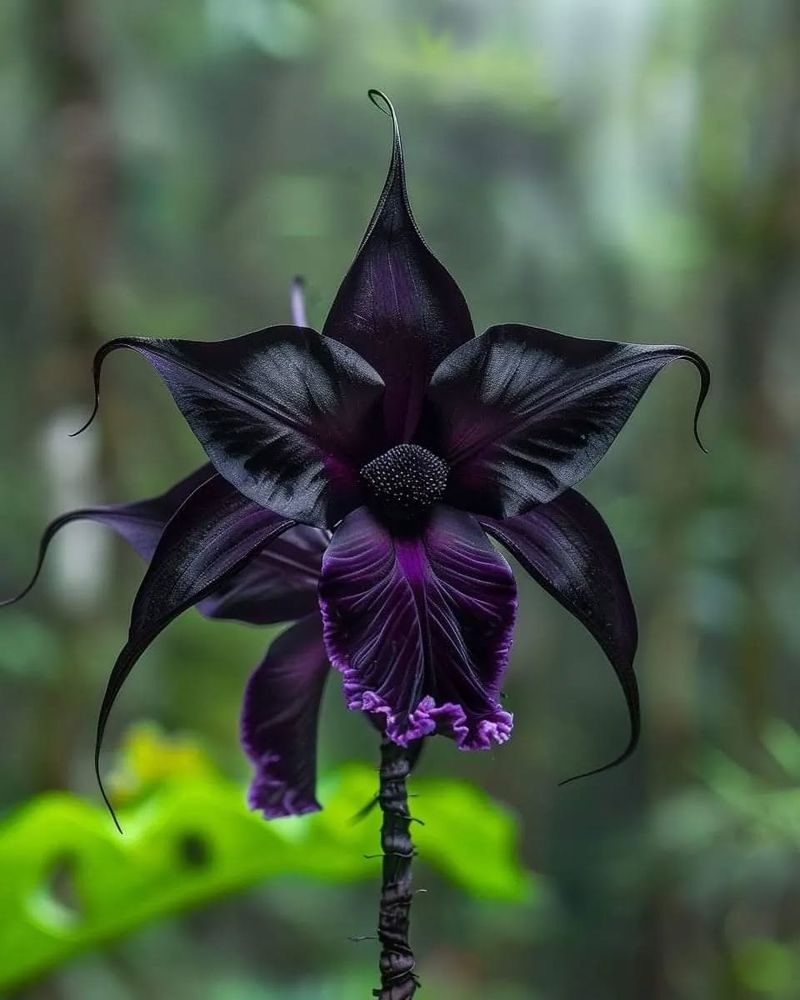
(610, 168)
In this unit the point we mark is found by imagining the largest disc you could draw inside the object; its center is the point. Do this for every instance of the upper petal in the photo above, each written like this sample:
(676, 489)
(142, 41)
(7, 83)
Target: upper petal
(212, 535)
(398, 306)
(284, 414)
(420, 626)
(277, 585)
(566, 546)
(279, 721)
(522, 413)
(139, 523)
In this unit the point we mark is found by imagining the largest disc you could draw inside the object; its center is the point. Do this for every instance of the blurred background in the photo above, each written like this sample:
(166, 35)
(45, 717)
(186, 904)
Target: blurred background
(624, 169)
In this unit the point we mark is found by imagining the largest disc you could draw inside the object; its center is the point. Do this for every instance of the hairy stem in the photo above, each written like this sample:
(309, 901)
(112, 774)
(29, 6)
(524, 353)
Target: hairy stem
(398, 981)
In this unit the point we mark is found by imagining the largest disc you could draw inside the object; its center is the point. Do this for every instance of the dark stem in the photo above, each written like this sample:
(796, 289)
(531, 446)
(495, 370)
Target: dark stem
(398, 981)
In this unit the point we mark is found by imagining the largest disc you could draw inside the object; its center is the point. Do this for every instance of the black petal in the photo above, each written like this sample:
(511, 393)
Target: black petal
(566, 546)
(212, 536)
(522, 414)
(398, 306)
(284, 414)
(277, 585)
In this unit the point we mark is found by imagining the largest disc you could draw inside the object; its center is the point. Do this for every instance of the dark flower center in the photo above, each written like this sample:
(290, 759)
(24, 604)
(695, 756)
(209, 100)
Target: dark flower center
(406, 480)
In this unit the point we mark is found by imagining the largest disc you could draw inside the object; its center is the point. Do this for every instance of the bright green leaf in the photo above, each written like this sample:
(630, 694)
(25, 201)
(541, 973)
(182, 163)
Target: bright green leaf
(71, 883)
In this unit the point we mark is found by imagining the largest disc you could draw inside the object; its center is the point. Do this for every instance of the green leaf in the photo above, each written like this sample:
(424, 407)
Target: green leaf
(71, 883)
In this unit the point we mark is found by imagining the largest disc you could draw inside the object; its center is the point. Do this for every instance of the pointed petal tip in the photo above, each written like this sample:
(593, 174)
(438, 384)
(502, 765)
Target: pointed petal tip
(52, 529)
(700, 444)
(85, 426)
(383, 104)
(7, 602)
(705, 385)
(101, 786)
(97, 367)
(626, 753)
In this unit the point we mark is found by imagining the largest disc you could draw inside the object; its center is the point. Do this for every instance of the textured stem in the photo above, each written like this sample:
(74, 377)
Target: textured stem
(398, 981)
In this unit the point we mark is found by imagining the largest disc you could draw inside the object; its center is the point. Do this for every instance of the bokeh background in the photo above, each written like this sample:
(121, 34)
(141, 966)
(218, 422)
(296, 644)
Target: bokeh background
(624, 169)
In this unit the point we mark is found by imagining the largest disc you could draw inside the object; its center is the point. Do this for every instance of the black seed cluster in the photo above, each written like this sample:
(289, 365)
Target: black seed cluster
(406, 479)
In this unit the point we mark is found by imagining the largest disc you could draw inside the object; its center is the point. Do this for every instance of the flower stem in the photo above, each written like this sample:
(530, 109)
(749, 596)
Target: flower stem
(398, 981)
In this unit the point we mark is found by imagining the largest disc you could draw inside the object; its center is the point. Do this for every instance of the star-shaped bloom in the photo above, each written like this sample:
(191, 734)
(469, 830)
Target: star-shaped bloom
(404, 441)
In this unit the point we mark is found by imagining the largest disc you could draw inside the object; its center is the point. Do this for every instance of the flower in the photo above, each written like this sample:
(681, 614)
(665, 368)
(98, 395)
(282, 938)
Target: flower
(411, 441)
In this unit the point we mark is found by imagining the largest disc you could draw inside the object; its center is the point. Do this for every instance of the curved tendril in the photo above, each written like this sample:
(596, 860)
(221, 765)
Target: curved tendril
(705, 385)
(92, 415)
(119, 343)
(97, 365)
(383, 104)
(50, 532)
(626, 753)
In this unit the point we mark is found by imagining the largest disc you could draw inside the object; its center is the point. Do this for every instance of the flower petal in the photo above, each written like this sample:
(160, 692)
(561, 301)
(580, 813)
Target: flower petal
(277, 585)
(397, 306)
(284, 414)
(139, 523)
(212, 536)
(279, 721)
(421, 627)
(566, 546)
(524, 413)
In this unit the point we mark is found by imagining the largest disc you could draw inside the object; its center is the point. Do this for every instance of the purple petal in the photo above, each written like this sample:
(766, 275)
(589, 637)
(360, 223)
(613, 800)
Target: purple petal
(525, 413)
(421, 627)
(277, 585)
(139, 523)
(213, 535)
(297, 302)
(279, 721)
(397, 306)
(566, 546)
(284, 414)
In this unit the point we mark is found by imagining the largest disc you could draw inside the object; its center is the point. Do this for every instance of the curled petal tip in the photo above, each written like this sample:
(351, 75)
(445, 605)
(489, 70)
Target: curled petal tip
(85, 426)
(103, 792)
(97, 367)
(705, 385)
(6, 602)
(697, 437)
(700, 444)
(626, 753)
(382, 102)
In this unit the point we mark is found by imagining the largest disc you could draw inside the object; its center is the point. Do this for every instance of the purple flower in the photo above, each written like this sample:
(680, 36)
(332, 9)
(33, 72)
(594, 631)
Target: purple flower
(410, 440)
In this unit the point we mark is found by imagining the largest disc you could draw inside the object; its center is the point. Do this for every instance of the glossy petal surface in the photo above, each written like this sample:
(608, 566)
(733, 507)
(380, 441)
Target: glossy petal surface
(213, 534)
(398, 306)
(139, 523)
(279, 721)
(284, 414)
(566, 547)
(421, 627)
(522, 414)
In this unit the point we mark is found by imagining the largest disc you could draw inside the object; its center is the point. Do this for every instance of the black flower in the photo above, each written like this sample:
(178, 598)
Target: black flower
(406, 440)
